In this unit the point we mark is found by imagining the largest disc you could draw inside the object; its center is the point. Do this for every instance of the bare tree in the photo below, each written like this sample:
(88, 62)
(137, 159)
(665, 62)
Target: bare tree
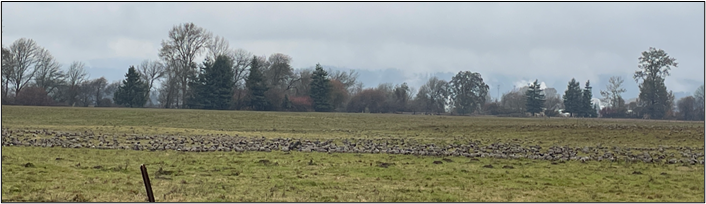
(433, 96)
(84, 96)
(219, 46)
(368, 101)
(185, 42)
(7, 69)
(699, 95)
(514, 101)
(279, 69)
(241, 58)
(349, 79)
(687, 108)
(98, 86)
(277, 73)
(76, 74)
(699, 100)
(169, 92)
(301, 87)
(241, 62)
(612, 93)
(49, 75)
(110, 89)
(357, 88)
(24, 52)
(550, 92)
(402, 95)
(150, 71)
(74, 77)
(553, 101)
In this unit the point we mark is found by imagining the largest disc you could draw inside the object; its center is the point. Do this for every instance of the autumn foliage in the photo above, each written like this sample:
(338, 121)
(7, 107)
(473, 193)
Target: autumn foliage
(302, 103)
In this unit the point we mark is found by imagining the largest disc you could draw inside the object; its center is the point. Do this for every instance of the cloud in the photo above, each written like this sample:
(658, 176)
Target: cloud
(513, 41)
(131, 48)
(523, 83)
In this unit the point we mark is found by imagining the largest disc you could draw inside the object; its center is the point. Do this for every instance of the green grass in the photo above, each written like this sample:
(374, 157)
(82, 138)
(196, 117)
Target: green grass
(231, 176)
(113, 175)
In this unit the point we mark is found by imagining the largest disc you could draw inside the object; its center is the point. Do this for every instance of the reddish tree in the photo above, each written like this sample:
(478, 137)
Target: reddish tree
(339, 94)
(302, 103)
(34, 96)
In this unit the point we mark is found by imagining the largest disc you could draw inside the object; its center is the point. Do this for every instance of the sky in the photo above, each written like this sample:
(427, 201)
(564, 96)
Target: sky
(509, 43)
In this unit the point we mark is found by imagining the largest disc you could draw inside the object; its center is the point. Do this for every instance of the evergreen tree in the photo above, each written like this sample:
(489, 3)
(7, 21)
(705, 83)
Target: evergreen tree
(286, 103)
(132, 92)
(213, 88)
(196, 91)
(535, 98)
(572, 98)
(256, 87)
(587, 109)
(320, 90)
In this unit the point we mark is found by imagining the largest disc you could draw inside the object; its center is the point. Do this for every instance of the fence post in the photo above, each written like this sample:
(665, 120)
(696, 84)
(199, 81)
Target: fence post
(148, 185)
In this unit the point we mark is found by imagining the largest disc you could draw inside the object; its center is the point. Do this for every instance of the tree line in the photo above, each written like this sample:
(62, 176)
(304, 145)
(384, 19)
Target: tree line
(235, 79)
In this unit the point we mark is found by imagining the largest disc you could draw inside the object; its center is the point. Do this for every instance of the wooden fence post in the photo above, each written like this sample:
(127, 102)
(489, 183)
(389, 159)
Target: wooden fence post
(148, 185)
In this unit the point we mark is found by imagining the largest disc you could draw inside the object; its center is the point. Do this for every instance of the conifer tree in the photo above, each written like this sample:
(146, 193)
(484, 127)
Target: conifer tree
(535, 98)
(587, 108)
(131, 92)
(572, 98)
(214, 86)
(320, 90)
(256, 86)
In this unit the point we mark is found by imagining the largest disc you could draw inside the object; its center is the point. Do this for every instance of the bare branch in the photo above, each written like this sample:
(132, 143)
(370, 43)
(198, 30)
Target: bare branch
(76, 74)
(49, 75)
(185, 42)
(219, 46)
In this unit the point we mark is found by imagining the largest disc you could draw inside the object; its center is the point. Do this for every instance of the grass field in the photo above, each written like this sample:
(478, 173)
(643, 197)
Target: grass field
(59, 174)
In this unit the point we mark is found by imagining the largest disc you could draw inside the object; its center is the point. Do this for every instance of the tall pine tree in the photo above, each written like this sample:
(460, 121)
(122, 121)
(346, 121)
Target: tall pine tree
(320, 90)
(214, 86)
(572, 98)
(535, 98)
(587, 108)
(256, 86)
(132, 92)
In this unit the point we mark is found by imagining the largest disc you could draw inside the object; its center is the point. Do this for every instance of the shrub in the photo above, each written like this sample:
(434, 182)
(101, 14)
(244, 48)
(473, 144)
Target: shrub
(34, 96)
(302, 104)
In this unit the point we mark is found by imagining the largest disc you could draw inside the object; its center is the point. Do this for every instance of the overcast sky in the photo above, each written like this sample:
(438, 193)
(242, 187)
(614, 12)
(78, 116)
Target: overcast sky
(508, 43)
